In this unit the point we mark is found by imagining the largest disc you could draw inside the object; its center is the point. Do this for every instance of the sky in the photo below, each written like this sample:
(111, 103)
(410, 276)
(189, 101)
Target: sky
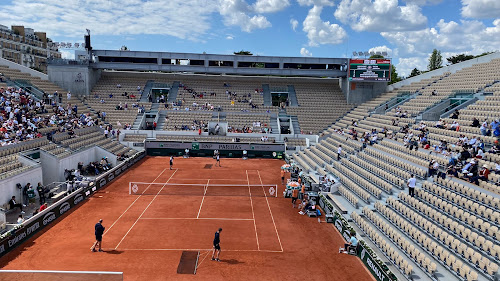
(407, 29)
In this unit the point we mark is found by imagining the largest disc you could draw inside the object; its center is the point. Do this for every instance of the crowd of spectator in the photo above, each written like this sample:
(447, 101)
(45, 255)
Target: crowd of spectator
(22, 116)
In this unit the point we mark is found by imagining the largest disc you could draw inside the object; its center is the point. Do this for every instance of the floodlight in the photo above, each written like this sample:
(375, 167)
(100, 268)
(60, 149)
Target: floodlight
(360, 53)
(384, 54)
(378, 53)
(366, 54)
(354, 53)
(372, 53)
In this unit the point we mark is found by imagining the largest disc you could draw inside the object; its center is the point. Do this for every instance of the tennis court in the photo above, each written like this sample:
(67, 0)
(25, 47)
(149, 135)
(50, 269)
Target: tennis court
(153, 214)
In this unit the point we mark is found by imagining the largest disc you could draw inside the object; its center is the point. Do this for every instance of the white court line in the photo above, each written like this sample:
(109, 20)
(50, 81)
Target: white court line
(222, 219)
(145, 209)
(253, 214)
(203, 199)
(264, 251)
(272, 217)
(109, 228)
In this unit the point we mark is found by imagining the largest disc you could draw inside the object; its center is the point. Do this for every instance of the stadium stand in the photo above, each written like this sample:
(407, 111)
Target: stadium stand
(451, 224)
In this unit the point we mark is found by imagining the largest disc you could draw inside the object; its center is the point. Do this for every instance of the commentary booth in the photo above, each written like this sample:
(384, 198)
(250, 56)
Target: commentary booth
(201, 149)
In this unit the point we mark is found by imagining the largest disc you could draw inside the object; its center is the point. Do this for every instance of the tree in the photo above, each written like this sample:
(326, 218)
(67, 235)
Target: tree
(459, 58)
(415, 72)
(377, 57)
(394, 75)
(244, 53)
(435, 60)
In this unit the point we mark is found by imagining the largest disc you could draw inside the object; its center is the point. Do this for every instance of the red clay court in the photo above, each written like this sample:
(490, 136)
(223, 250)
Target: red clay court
(263, 237)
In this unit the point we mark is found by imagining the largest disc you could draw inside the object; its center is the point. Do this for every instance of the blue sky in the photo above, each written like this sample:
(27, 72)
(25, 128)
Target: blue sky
(407, 29)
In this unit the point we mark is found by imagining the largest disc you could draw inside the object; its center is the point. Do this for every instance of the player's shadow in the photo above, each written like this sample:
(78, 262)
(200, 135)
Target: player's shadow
(232, 261)
(113, 252)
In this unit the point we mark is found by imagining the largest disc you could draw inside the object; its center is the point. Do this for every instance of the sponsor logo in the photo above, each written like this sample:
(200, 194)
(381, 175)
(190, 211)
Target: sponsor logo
(363, 252)
(111, 176)
(78, 198)
(79, 78)
(338, 225)
(374, 268)
(117, 172)
(230, 146)
(17, 239)
(49, 217)
(87, 193)
(124, 168)
(2, 248)
(32, 228)
(64, 208)
(102, 182)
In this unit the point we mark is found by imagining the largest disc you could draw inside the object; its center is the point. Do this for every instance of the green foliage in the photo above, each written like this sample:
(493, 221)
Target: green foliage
(435, 60)
(464, 57)
(394, 75)
(415, 72)
(244, 53)
(377, 57)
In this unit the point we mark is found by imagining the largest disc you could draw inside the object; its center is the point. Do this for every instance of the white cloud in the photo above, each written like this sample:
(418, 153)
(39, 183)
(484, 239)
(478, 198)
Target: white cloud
(423, 2)
(229, 37)
(70, 18)
(381, 49)
(235, 12)
(67, 54)
(380, 15)
(406, 65)
(294, 23)
(315, 2)
(305, 52)
(451, 38)
(481, 9)
(322, 32)
(270, 6)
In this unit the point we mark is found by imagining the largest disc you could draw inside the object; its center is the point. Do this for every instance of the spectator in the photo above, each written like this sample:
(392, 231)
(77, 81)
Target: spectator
(412, 181)
(20, 219)
(483, 175)
(339, 152)
(43, 207)
(13, 204)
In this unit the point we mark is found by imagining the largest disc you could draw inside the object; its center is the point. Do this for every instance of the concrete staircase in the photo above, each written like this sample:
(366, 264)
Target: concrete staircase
(172, 95)
(295, 125)
(273, 123)
(268, 100)
(138, 122)
(292, 96)
(147, 90)
(161, 119)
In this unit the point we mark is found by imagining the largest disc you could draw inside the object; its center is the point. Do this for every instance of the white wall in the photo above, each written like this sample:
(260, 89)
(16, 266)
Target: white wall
(54, 167)
(8, 186)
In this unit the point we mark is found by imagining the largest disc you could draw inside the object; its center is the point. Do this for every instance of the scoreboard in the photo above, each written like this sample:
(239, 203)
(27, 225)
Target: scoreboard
(373, 70)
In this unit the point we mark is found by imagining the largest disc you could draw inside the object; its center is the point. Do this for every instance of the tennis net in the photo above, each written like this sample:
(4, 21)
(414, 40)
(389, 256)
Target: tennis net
(183, 189)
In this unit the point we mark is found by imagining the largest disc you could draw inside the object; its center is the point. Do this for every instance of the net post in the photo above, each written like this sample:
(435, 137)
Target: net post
(276, 188)
(129, 188)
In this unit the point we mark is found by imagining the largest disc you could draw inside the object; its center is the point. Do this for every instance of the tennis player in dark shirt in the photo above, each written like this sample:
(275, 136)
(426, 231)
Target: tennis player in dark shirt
(99, 230)
(216, 252)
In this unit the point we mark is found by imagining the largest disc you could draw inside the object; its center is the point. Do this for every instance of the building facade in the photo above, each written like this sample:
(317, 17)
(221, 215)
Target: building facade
(26, 47)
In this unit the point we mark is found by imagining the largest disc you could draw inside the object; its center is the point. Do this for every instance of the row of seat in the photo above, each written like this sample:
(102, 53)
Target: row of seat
(451, 221)
(389, 159)
(388, 249)
(419, 257)
(375, 179)
(379, 172)
(351, 197)
(363, 183)
(471, 256)
(351, 185)
(473, 194)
